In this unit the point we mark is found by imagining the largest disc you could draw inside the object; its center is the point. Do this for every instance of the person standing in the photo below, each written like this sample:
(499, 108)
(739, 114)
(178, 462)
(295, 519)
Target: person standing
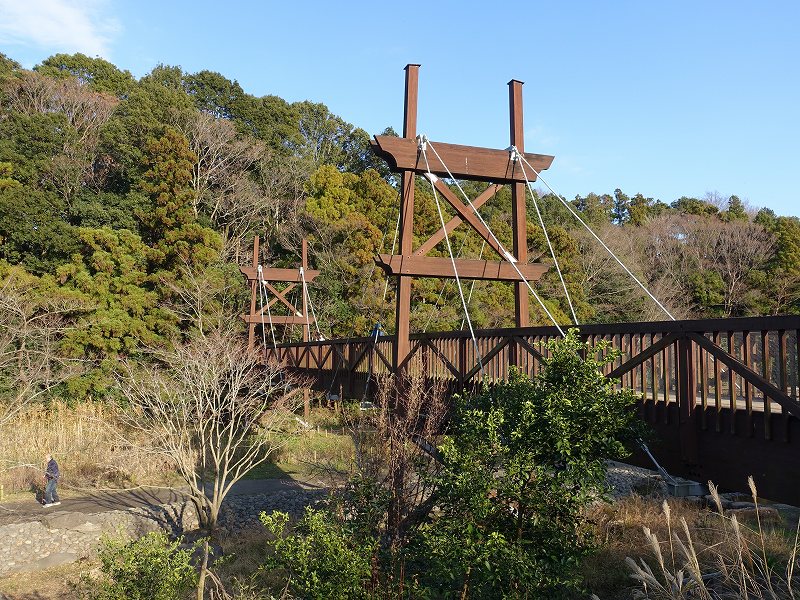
(51, 476)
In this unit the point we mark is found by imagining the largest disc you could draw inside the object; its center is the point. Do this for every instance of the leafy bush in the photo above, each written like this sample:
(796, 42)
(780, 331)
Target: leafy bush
(504, 515)
(522, 462)
(322, 558)
(150, 568)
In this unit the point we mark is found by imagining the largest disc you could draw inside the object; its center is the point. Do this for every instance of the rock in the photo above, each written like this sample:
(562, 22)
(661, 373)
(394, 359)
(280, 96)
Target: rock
(88, 527)
(66, 520)
(54, 560)
(737, 497)
(767, 514)
(726, 504)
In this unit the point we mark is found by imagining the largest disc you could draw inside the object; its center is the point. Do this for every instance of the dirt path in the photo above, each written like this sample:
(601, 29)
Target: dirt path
(102, 501)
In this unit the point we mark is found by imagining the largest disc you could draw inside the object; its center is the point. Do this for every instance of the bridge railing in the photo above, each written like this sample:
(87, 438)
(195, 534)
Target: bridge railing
(743, 364)
(720, 394)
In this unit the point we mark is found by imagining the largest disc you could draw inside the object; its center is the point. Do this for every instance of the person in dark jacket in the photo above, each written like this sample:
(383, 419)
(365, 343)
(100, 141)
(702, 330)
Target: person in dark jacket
(51, 476)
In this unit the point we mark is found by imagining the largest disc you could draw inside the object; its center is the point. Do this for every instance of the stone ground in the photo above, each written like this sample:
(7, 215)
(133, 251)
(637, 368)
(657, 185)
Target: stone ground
(87, 516)
(34, 538)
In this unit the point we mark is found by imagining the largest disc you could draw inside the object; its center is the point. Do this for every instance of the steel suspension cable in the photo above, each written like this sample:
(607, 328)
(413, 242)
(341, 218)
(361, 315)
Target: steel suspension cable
(444, 287)
(472, 283)
(394, 241)
(262, 293)
(589, 229)
(310, 305)
(515, 157)
(452, 258)
(506, 254)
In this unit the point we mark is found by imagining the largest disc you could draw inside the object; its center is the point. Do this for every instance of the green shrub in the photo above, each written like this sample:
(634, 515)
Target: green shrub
(322, 559)
(522, 462)
(150, 568)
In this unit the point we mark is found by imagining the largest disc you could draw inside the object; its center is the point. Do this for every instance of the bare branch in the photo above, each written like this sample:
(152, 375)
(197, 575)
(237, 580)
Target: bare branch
(209, 406)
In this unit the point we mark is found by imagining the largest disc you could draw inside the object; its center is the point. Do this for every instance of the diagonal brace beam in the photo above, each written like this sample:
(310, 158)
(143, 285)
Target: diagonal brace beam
(644, 355)
(281, 295)
(786, 402)
(464, 214)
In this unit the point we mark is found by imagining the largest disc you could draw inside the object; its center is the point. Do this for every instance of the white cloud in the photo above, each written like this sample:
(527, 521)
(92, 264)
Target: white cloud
(58, 25)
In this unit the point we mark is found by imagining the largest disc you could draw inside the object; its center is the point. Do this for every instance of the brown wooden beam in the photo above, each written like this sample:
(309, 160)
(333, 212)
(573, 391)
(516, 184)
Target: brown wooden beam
(281, 295)
(406, 224)
(251, 330)
(275, 274)
(467, 215)
(787, 403)
(428, 266)
(644, 355)
(464, 162)
(304, 291)
(437, 237)
(519, 207)
(278, 319)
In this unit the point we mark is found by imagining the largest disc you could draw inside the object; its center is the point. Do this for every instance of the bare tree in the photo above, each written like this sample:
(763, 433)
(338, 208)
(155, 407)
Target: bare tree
(209, 406)
(223, 158)
(85, 110)
(395, 446)
(236, 180)
(648, 253)
(785, 290)
(31, 328)
(732, 250)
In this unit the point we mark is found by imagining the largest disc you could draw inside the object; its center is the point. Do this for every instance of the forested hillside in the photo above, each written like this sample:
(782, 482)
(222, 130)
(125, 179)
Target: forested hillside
(122, 201)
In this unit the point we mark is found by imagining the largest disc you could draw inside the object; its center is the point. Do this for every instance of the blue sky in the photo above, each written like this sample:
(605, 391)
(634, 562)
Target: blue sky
(663, 98)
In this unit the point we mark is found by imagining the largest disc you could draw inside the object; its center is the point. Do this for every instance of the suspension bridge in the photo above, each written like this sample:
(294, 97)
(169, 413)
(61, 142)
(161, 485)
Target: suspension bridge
(721, 395)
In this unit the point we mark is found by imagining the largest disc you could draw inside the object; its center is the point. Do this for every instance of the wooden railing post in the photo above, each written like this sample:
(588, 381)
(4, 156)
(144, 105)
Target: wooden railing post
(351, 370)
(425, 366)
(687, 397)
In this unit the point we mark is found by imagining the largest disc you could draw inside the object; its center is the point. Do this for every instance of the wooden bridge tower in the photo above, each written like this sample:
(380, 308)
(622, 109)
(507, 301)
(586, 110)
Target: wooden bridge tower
(297, 316)
(463, 162)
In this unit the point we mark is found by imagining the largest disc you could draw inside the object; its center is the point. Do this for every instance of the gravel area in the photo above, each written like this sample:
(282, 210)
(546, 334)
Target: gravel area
(624, 480)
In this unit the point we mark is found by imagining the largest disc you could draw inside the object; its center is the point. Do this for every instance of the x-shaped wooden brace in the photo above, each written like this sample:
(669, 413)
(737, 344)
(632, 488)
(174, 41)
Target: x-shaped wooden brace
(464, 214)
(280, 295)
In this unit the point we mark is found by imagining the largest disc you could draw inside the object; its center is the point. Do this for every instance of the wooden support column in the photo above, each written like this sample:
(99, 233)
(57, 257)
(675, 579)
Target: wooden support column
(518, 204)
(406, 233)
(687, 397)
(306, 328)
(304, 291)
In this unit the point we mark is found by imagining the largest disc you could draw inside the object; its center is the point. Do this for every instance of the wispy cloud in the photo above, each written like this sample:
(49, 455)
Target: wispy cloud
(58, 25)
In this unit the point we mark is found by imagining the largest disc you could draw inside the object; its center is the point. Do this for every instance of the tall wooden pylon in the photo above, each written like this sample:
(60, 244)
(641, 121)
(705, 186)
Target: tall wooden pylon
(462, 162)
(257, 316)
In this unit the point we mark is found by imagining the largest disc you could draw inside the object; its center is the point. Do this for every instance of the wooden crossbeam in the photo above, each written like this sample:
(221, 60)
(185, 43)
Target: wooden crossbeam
(464, 162)
(278, 319)
(644, 355)
(281, 295)
(429, 266)
(788, 404)
(466, 214)
(276, 274)
(440, 355)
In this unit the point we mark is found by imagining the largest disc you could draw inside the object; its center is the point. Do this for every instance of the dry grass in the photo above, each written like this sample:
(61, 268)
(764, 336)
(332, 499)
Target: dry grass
(678, 550)
(58, 583)
(83, 440)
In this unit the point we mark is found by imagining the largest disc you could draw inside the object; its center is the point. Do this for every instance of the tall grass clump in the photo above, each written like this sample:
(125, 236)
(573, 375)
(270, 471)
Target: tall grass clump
(84, 440)
(730, 559)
